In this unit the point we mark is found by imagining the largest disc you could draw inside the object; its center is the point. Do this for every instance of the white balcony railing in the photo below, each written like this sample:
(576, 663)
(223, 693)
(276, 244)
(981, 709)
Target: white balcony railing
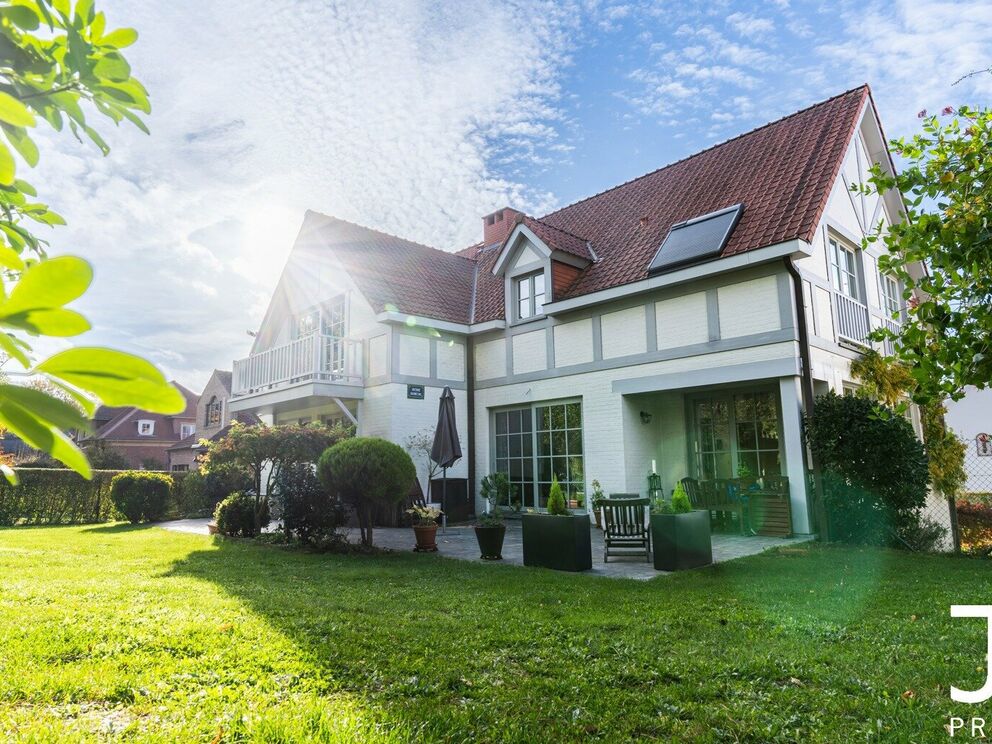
(312, 358)
(852, 319)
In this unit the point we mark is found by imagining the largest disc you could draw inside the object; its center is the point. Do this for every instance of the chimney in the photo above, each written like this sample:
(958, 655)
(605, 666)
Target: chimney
(499, 224)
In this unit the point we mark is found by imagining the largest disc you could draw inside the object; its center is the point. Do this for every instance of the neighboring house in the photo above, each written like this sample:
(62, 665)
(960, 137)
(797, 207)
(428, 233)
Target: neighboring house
(144, 438)
(971, 420)
(213, 419)
(681, 320)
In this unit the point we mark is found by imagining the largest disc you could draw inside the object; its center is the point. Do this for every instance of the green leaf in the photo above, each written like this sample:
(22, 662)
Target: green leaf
(44, 406)
(18, 137)
(114, 67)
(116, 378)
(42, 435)
(56, 322)
(97, 139)
(7, 166)
(48, 284)
(122, 37)
(10, 259)
(85, 402)
(9, 473)
(13, 348)
(14, 112)
(23, 17)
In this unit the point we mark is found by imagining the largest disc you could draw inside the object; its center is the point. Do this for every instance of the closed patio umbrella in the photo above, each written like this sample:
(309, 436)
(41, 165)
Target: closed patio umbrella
(446, 450)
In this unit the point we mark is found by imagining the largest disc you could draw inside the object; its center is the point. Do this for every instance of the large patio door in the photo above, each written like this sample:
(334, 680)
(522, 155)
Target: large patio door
(736, 434)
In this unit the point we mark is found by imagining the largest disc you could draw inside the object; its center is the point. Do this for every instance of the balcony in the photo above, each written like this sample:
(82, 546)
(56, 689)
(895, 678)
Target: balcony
(309, 359)
(853, 324)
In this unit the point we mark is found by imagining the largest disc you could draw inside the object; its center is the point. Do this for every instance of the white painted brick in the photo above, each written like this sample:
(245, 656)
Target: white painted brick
(450, 360)
(415, 356)
(824, 314)
(490, 359)
(749, 307)
(682, 321)
(530, 352)
(573, 343)
(378, 356)
(624, 332)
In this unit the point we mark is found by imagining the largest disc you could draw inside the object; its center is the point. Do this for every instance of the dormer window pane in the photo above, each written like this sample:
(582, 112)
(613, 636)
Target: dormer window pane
(539, 293)
(529, 294)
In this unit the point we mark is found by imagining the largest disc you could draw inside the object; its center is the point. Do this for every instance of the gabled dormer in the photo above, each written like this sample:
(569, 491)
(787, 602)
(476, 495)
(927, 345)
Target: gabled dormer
(538, 263)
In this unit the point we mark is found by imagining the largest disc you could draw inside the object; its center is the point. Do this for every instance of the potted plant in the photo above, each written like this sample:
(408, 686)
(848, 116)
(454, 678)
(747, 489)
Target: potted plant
(558, 539)
(425, 527)
(489, 528)
(680, 535)
(597, 503)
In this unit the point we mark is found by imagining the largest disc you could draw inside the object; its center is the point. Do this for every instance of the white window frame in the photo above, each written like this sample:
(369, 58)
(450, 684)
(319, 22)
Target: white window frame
(186, 430)
(891, 293)
(141, 426)
(845, 268)
(530, 282)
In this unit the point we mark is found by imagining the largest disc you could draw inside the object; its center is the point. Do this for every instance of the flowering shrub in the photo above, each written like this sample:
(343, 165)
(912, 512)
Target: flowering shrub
(424, 516)
(975, 526)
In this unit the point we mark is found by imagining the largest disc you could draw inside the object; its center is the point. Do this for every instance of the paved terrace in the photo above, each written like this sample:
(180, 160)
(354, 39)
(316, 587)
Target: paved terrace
(459, 542)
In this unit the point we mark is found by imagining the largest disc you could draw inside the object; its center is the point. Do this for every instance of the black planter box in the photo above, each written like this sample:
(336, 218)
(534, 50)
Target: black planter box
(681, 540)
(491, 542)
(558, 542)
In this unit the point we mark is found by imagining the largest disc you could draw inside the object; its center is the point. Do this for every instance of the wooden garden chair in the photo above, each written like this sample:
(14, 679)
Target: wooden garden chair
(625, 526)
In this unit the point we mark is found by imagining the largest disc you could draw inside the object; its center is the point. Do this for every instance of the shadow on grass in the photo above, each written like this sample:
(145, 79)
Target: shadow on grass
(119, 527)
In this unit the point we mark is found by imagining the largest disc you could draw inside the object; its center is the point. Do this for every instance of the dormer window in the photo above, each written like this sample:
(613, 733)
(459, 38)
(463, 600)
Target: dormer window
(529, 295)
(146, 428)
(213, 412)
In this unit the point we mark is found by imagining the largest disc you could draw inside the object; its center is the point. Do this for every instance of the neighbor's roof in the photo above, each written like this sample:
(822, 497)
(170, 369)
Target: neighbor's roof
(781, 172)
(123, 425)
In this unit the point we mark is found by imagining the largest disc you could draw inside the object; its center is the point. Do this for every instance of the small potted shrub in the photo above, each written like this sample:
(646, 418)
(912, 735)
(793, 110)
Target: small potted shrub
(680, 535)
(596, 501)
(489, 528)
(425, 527)
(558, 539)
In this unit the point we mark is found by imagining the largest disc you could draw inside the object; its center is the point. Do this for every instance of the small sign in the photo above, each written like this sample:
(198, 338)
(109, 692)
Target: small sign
(415, 391)
(983, 442)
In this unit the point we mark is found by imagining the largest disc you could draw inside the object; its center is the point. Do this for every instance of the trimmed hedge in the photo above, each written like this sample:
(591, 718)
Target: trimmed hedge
(56, 496)
(141, 495)
(235, 515)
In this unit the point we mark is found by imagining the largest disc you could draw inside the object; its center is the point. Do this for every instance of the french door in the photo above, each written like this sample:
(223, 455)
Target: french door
(736, 434)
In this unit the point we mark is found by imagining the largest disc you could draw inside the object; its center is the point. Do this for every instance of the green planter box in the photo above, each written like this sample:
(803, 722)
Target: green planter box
(681, 540)
(558, 542)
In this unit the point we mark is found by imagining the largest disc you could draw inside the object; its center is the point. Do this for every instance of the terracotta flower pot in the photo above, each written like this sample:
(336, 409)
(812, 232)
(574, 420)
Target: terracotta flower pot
(426, 538)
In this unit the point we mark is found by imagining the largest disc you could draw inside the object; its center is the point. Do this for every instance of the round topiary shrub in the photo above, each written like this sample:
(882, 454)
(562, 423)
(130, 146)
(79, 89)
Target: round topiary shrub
(140, 495)
(365, 472)
(874, 468)
(235, 515)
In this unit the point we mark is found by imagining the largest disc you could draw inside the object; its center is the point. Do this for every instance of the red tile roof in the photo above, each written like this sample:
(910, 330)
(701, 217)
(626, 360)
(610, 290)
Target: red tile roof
(782, 172)
(122, 423)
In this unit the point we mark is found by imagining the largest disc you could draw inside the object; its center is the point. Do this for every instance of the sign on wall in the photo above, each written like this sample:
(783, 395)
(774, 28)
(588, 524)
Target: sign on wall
(983, 443)
(415, 391)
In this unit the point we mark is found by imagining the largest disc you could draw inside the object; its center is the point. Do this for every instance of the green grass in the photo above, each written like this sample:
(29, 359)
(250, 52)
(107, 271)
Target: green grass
(142, 634)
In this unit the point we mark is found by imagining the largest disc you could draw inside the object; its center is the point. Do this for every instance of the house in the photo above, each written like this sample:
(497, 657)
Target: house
(144, 438)
(213, 419)
(679, 323)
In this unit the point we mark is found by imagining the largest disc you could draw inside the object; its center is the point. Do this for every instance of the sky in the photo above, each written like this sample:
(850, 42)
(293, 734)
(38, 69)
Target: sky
(418, 118)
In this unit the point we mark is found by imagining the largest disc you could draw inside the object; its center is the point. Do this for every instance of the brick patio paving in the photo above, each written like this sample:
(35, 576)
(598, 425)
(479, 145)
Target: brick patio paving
(459, 542)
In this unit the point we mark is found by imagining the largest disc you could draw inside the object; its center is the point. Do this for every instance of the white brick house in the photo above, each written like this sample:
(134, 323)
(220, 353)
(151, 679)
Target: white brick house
(682, 320)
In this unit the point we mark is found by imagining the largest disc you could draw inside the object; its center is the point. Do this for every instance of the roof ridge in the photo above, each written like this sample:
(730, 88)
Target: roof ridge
(559, 229)
(824, 102)
(390, 235)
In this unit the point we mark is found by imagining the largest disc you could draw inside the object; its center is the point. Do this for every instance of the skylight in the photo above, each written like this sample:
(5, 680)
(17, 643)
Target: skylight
(696, 240)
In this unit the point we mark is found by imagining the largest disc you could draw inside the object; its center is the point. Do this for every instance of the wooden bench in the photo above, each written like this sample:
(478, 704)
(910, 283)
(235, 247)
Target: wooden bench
(625, 526)
(720, 497)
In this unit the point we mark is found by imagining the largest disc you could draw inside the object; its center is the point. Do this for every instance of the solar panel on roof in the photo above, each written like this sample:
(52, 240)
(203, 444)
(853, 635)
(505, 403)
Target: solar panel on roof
(696, 240)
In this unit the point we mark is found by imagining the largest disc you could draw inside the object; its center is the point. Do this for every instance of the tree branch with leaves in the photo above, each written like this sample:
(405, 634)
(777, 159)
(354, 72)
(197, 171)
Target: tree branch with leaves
(59, 65)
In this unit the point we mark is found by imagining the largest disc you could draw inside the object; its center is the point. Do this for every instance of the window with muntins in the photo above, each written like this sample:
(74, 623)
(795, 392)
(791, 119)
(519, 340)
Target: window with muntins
(891, 296)
(333, 320)
(529, 294)
(146, 428)
(186, 430)
(844, 269)
(535, 443)
(306, 323)
(737, 435)
(213, 413)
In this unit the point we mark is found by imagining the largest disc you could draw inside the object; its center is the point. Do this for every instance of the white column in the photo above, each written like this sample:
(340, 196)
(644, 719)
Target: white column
(790, 393)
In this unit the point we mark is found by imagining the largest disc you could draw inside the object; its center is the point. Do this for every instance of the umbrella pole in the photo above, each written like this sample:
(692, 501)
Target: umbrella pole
(444, 500)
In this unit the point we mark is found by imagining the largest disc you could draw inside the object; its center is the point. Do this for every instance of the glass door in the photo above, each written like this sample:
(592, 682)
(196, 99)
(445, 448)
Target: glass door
(736, 434)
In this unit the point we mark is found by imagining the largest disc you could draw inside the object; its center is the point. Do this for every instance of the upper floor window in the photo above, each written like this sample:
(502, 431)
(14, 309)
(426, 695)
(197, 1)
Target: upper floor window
(306, 323)
(146, 428)
(213, 413)
(333, 318)
(186, 430)
(844, 268)
(891, 296)
(529, 295)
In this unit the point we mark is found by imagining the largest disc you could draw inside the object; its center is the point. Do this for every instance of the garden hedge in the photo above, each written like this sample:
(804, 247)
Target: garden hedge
(141, 495)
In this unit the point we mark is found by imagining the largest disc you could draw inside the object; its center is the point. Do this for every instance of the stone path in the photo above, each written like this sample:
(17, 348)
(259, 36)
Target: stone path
(459, 542)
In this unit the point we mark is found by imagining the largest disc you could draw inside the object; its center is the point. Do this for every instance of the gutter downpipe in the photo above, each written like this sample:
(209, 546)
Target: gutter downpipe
(470, 413)
(806, 385)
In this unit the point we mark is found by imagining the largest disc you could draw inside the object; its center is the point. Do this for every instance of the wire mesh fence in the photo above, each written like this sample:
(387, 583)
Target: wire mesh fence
(974, 504)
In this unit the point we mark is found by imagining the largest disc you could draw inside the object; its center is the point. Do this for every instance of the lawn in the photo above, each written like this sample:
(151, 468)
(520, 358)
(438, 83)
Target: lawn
(148, 635)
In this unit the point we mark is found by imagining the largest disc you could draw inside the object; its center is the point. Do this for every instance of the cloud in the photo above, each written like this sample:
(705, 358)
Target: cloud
(746, 24)
(400, 114)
